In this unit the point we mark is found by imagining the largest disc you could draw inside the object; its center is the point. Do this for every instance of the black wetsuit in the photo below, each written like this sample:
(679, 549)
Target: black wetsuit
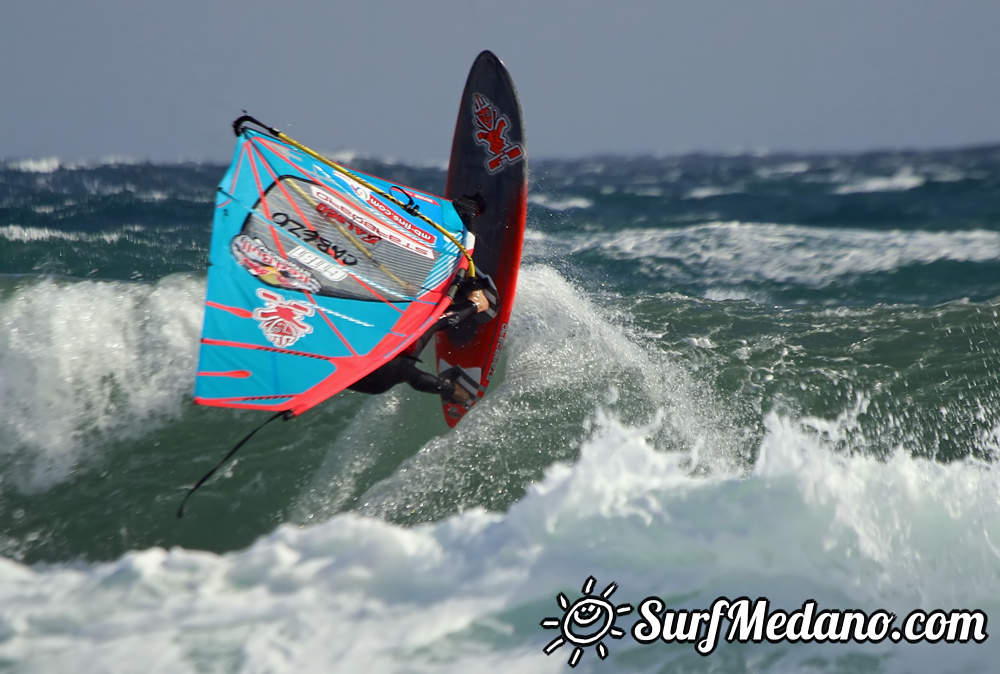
(403, 368)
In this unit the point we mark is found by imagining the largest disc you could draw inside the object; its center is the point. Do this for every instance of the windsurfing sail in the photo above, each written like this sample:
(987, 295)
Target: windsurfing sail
(318, 275)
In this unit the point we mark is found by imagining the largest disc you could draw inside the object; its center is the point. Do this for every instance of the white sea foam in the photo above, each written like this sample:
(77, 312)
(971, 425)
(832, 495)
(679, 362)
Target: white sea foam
(344, 156)
(722, 294)
(112, 160)
(734, 252)
(52, 164)
(564, 204)
(468, 593)
(943, 173)
(81, 359)
(904, 179)
(709, 191)
(44, 165)
(787, 169)
(562, 350)
(153, 195)
(24, 234)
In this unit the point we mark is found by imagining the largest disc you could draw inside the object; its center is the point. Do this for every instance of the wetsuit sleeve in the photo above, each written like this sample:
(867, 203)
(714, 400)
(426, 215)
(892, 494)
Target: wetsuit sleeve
(425, 382)
(455, 316)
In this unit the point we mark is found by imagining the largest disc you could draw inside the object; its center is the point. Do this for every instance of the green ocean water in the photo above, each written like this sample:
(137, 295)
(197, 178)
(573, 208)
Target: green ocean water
(810, 343)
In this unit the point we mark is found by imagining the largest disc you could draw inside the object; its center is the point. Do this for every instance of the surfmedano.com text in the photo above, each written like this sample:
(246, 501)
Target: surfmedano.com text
(753, 621)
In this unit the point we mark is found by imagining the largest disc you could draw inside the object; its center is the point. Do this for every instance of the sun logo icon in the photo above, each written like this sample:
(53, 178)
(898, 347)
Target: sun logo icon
(586, 621)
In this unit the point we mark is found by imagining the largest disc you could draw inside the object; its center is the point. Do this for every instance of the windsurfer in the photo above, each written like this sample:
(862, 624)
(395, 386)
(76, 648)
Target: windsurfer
(403, 368)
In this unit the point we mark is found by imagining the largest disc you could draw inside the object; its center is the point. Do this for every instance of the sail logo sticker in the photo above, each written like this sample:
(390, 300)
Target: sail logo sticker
(381, 207)
(281, 319)
(421, 197)
(493, 134)
(315, 262)
(343, 209)
(409, 192)
(254, 256)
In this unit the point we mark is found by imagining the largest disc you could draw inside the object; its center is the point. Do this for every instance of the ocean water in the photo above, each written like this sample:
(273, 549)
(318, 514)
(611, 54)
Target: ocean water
(748, 376)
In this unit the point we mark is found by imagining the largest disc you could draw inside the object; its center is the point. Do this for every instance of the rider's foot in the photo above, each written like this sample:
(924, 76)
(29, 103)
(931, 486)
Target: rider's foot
(464, 387)
(478, 297)
(461, 396)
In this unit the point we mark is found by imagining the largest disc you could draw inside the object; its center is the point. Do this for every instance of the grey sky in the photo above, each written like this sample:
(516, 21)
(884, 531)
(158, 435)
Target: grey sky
(99, 78)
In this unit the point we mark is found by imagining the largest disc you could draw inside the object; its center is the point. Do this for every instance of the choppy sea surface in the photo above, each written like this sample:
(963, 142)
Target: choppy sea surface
(748, 376)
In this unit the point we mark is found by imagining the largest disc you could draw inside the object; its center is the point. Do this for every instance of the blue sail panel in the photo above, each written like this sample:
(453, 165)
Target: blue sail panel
(316, 278)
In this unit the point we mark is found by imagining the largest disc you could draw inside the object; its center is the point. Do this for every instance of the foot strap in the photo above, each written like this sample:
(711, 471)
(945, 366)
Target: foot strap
(461, 378)
(485, 284)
